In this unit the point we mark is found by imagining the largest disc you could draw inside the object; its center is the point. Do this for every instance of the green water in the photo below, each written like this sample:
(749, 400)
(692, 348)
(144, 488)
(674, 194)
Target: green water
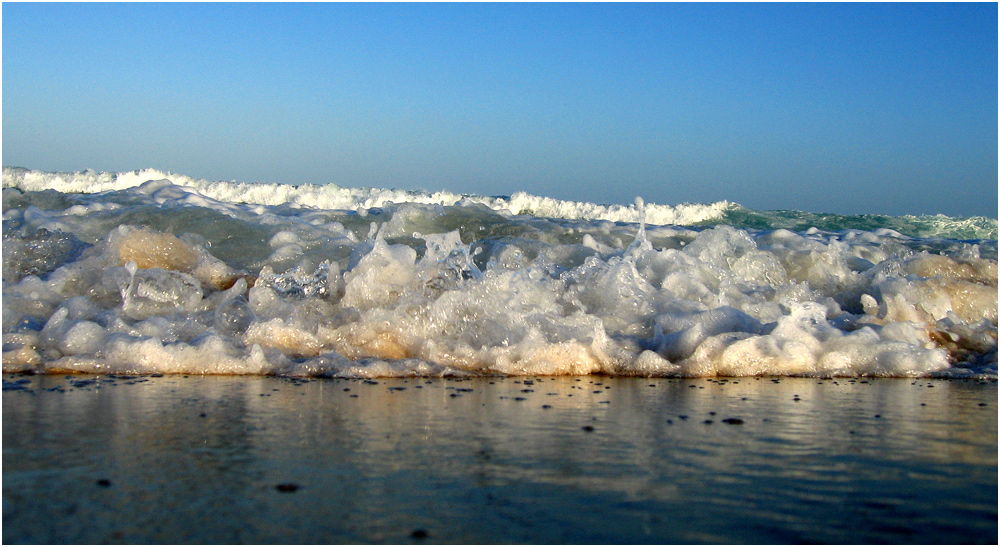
(926, 226)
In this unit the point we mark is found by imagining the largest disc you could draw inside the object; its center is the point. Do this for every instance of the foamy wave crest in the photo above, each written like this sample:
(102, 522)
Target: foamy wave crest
(109, 273)
(331, 196)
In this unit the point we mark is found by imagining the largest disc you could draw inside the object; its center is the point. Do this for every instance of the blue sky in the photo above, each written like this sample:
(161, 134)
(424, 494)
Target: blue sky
(845, 108)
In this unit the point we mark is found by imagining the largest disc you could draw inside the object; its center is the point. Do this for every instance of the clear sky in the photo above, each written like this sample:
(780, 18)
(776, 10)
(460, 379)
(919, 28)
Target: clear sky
(844, 108)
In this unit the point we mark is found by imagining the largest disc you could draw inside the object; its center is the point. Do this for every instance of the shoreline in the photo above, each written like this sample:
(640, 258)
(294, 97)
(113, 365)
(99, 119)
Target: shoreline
(222, 459)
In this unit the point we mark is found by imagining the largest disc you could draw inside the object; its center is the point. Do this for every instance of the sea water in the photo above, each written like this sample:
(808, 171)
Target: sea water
(498, 460)
(150, 272)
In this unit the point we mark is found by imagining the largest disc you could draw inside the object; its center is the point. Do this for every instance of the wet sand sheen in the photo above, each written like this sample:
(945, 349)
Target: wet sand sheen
(498, 460)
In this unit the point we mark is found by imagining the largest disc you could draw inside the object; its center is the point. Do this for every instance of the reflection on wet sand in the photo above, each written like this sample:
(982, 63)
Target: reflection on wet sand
(510, 460)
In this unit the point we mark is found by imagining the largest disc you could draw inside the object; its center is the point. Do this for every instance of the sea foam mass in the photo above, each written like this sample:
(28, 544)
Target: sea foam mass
(150, 272)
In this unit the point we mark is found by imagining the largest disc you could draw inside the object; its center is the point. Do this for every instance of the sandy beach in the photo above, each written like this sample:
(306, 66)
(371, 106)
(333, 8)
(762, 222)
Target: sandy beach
(176, 459)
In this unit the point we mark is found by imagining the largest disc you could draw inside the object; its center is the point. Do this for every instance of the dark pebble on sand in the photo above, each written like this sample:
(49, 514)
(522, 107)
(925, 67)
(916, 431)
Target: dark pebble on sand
(419, 534)
(287, 487)
(546, 406)
(732, 421)
(103, 483)
(587, 428)
(707, 422)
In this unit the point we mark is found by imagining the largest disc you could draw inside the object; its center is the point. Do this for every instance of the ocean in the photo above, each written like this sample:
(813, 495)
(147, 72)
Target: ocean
(149, 272)
(268, 363)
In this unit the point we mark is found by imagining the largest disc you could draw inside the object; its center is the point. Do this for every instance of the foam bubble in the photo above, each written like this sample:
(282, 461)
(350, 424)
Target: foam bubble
(167, 276)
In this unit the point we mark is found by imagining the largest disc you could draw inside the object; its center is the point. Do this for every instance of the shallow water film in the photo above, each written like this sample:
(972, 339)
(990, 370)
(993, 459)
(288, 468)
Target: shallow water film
(498, 460)
(123, 274)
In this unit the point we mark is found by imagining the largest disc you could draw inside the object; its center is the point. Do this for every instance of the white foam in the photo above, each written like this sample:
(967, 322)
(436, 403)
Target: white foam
(331, 196)
(210, 285)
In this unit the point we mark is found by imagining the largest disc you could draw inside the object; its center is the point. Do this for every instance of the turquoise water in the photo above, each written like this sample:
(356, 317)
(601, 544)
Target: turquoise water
(926, 226)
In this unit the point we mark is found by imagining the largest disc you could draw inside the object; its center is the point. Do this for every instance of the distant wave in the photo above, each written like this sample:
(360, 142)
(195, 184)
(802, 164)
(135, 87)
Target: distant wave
(331, 196)
(928, 226)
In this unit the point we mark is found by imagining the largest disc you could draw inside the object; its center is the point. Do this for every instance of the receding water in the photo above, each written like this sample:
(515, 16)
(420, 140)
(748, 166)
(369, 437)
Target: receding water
(173, 459)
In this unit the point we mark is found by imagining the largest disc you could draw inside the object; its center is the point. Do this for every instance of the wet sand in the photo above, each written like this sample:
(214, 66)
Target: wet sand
(172, 459)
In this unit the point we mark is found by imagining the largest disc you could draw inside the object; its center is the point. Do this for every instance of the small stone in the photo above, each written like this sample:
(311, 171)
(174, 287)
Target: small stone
(587, 428)
(732, 421)
(287, 487)
(419, 534)
(104, 483)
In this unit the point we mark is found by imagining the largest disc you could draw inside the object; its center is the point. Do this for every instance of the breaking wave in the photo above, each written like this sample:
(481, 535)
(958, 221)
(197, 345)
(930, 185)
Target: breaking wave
(150, 272)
